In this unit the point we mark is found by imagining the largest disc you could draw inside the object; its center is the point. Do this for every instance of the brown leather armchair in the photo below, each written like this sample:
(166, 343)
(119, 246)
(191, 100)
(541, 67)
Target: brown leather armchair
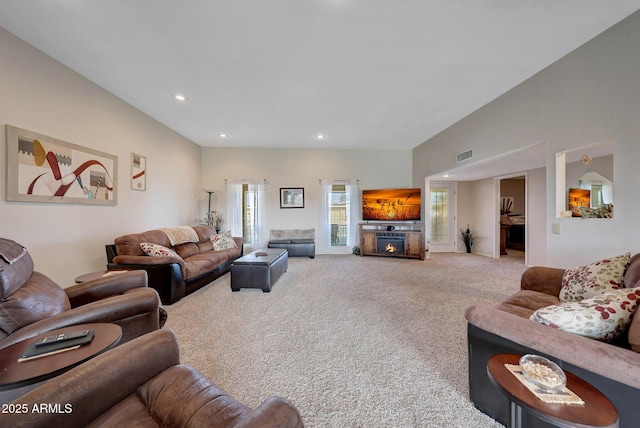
(142, 383)
(31, 303)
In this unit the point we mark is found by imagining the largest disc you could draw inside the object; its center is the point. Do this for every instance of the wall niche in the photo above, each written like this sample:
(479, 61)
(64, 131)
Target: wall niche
(584, 182)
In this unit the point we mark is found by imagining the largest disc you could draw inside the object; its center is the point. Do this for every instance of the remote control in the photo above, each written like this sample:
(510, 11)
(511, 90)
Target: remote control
(62, 337)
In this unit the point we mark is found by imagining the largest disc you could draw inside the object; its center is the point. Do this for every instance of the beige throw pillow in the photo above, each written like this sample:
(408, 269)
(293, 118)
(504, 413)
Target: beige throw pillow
(588, 281)
(157, 250)
(603, 317)
(223, 241)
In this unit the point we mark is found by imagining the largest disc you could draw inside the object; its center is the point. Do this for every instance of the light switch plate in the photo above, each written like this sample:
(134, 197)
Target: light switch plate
(556, 228)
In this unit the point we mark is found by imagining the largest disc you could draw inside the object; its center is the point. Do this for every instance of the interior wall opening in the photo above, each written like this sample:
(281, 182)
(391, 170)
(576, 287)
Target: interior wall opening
(512, 211)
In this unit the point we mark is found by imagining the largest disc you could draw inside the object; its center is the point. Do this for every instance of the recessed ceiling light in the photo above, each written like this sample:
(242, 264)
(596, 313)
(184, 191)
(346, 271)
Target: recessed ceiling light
(180, 97)
(321, 136)
(222, 135)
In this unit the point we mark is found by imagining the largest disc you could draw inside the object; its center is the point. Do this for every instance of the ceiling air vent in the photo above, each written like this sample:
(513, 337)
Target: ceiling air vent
(461, 157)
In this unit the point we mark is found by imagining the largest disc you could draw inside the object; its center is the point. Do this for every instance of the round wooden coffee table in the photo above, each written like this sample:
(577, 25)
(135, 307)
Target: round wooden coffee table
(597, 411)
(16, 375)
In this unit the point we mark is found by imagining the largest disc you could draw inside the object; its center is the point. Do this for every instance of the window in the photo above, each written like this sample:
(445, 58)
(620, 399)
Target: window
(440, 215)
(597, 199)
(442, 221)
(248, 210)
(245, 202)
(339, 216)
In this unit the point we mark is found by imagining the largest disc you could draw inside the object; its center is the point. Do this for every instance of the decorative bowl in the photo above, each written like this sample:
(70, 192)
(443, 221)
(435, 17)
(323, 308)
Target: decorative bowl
(543, 373)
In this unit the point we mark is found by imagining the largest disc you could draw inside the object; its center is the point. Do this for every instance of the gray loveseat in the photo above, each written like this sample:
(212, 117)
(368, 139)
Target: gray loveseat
(613, 368)
(299, 242)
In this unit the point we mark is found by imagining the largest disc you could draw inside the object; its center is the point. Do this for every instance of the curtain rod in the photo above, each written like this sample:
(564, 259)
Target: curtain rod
(244, 179)
(320, 180)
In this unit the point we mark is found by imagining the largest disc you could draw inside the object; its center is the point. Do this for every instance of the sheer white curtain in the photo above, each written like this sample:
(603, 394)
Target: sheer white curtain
(353, 202)
(324, 223)
(251, 210)
(258, 237)
(234, 207)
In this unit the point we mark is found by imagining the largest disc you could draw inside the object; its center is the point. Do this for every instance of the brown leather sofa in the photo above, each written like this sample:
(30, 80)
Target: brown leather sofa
(197, 263)
(613, 368)
(31, 303)
(142, 383)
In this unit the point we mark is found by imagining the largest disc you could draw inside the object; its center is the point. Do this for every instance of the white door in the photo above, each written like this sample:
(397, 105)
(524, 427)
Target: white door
(442, 213)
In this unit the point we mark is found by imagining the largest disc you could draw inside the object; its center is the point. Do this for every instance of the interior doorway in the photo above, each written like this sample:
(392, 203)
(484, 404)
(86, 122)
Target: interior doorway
(511, 230)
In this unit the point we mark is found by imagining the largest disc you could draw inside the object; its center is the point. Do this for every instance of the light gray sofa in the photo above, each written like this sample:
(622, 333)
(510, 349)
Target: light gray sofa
(299, 242)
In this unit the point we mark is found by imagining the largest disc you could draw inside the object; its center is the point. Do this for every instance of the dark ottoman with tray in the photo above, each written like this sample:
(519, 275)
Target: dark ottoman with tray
(260, 269)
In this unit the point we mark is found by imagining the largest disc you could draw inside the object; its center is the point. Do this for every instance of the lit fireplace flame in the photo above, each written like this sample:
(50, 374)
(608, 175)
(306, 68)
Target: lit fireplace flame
(390, 248)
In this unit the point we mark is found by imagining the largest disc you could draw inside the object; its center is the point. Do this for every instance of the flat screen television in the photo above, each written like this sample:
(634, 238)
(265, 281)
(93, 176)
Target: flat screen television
(391, 205)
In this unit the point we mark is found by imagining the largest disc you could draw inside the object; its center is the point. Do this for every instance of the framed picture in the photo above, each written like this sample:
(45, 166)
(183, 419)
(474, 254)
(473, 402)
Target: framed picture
(45, 169)
(506, 204)
(138, 172)
(579, 198)
(292, 197)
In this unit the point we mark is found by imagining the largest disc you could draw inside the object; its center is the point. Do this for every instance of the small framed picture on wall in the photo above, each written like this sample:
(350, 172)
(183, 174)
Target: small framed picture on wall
(292, 197)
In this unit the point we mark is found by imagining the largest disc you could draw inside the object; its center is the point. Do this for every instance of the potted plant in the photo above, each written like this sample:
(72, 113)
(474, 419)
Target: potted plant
(215, 220)
(467, 238)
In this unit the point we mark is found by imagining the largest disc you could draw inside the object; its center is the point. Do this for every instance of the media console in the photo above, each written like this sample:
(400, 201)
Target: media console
(392, 240)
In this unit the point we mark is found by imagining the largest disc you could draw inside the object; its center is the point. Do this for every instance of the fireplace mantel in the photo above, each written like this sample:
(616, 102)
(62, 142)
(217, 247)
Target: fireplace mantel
(392, 239)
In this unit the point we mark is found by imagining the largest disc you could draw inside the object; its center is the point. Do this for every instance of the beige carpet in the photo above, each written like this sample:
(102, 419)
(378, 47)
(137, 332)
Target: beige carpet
(351, 341)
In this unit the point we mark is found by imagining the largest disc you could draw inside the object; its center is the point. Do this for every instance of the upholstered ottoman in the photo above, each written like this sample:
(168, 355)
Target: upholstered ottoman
(260, 269)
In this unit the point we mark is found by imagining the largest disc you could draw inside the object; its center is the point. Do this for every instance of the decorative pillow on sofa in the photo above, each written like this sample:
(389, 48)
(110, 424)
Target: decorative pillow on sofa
(591, 280)
(223, 241)
(157, 250)
(603, 317)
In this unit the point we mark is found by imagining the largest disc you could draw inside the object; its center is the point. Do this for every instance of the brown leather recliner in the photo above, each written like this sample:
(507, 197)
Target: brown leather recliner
(31, 303)
(142, 383)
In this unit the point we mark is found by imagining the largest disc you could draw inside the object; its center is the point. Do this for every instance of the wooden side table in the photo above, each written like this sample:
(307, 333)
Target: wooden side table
(597, 411)
(17, 378)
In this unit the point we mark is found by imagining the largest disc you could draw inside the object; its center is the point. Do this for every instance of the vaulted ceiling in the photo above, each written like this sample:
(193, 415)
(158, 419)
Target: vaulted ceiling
(364, 74)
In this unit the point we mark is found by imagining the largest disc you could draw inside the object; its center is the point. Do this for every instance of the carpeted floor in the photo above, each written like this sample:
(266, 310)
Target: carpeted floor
(351, 341)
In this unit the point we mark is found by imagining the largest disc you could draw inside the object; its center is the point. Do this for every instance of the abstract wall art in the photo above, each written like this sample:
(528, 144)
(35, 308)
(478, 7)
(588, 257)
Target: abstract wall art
(45, 169)
(138, 172)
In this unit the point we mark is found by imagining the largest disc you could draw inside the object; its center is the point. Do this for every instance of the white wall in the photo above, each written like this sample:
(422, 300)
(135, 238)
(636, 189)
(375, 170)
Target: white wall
(536, 217)
(484, 216)
(589, 96)
(376, 169)
(66, 240)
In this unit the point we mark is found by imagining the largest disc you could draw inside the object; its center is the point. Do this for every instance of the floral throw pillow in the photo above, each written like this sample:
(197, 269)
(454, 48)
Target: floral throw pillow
(591, 280)
(223, 241)
(157, 250)
(603, 317)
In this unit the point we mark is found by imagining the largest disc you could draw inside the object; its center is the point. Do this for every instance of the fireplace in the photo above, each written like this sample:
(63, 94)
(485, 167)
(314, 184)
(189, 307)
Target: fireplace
(407, 240)
(390, 243)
